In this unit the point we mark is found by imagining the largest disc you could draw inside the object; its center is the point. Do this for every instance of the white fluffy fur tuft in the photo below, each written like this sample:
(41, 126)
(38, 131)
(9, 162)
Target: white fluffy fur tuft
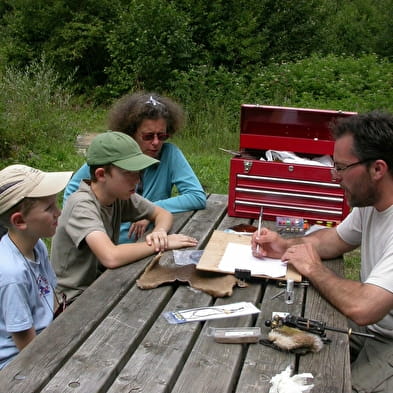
(284, 383)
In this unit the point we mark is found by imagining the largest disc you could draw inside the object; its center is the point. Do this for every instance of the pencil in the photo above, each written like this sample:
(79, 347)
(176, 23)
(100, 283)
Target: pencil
(259, 225)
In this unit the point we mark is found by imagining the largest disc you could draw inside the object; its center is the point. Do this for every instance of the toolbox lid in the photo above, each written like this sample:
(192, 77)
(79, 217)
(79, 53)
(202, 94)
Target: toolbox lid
(286, 128)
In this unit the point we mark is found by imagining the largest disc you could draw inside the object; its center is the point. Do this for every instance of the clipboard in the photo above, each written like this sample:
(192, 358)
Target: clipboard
(215, 250)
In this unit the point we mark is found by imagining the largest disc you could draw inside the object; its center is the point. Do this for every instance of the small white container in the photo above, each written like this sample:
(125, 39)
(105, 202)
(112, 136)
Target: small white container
(241, 335)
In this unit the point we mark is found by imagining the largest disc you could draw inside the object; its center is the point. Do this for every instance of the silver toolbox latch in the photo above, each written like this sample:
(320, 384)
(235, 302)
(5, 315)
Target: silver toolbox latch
(247, 166)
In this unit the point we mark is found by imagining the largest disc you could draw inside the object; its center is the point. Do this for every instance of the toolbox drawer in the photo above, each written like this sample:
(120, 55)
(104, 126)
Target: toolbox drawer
(284, 189)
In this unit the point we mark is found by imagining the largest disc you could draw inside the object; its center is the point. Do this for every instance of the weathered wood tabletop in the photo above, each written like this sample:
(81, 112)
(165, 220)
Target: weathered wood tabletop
(114, 338)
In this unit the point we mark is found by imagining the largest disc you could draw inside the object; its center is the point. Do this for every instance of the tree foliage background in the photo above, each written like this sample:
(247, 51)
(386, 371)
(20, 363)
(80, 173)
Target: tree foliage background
(114, 46)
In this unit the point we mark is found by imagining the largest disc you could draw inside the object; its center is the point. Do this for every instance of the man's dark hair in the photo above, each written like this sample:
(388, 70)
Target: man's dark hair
(372, 134)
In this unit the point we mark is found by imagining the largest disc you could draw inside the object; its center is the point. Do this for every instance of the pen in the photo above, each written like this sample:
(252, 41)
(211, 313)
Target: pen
(259, 225)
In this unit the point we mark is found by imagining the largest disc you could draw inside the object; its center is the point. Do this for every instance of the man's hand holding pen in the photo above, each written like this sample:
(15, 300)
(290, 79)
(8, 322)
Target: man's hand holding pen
(267, 243)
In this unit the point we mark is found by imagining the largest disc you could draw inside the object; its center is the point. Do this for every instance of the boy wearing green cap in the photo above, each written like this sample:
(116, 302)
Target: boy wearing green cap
(86, 241)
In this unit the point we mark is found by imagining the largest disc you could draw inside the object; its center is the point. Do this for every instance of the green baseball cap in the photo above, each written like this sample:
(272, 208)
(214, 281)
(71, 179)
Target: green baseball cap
(119, 149)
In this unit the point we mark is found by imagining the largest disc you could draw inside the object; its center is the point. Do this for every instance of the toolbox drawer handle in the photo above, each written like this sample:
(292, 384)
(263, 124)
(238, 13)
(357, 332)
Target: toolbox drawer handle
(295, 181)
(290, 194)
(297, 208)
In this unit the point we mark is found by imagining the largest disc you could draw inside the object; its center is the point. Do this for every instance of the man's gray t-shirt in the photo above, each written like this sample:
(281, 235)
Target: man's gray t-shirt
(374, 231)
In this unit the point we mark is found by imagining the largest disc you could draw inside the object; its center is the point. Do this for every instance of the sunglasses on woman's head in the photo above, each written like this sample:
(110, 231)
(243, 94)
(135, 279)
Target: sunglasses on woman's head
(151, 135)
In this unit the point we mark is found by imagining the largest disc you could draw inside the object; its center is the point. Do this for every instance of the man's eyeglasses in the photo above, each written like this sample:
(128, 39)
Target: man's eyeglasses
(339, 169)
(151, 135)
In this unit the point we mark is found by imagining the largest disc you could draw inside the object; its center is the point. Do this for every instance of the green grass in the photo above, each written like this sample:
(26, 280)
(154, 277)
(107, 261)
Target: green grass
(352, 264)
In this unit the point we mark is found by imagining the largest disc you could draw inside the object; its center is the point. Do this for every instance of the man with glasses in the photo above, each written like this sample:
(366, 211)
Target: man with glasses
(363, 165)
(151, 120)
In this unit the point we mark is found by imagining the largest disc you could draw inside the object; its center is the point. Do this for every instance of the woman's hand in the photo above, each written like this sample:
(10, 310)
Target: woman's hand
(138, 229)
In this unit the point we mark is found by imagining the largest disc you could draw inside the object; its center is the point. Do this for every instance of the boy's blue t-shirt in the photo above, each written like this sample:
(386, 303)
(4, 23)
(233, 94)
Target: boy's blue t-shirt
(26, 294)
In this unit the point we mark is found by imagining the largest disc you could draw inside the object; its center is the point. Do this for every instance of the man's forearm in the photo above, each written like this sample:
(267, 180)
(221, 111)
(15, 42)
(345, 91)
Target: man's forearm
(343, 294)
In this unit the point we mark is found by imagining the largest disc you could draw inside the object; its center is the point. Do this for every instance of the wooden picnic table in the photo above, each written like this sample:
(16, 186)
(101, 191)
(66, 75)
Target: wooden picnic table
(114, 339)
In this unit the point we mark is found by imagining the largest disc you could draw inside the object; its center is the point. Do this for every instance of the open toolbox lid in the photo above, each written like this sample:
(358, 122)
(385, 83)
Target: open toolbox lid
(284, 128)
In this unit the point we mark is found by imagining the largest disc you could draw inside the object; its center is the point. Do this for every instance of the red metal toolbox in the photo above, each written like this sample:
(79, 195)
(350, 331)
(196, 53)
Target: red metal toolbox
(284, 189)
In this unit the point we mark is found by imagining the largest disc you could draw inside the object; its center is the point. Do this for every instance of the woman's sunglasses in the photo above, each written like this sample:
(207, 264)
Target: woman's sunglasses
(150, 136)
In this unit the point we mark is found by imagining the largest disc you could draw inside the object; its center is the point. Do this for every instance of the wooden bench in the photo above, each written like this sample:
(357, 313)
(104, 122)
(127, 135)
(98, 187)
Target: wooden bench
(114, 339)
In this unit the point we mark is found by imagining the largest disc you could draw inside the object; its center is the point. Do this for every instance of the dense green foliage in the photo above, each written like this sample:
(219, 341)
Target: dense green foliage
(146, 54)
(120, 45)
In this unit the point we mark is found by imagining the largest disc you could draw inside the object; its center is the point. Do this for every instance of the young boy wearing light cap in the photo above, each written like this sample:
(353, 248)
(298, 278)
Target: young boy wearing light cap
(86, 241)
(28, 210)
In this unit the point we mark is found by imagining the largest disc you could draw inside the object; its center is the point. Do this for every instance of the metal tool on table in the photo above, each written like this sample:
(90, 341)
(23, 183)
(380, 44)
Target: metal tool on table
(288, 292)
(309, 325)
(303, 283)
(234, 153)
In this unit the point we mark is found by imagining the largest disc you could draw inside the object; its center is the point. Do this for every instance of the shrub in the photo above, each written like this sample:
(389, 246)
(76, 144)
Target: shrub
(34, 110)
(330, 82)
(151, 39)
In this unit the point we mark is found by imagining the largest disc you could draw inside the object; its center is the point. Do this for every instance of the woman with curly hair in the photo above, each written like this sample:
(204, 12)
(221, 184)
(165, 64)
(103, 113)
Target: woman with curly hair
(151, 120)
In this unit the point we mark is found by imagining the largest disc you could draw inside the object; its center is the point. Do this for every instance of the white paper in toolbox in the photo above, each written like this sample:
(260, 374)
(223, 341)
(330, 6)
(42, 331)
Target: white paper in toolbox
(292, 158)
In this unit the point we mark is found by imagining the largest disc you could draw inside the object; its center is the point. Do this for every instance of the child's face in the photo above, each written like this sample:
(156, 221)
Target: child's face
(121, 183)
(41, 220)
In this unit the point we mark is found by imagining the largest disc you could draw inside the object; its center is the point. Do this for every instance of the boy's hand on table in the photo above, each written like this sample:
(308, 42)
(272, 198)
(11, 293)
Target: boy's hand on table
(158, 239)
(181, 241)
(161, 241)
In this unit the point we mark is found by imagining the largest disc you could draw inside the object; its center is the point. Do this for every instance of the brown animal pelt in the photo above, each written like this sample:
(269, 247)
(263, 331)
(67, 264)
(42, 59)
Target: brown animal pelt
(289, 339)
(215, 284)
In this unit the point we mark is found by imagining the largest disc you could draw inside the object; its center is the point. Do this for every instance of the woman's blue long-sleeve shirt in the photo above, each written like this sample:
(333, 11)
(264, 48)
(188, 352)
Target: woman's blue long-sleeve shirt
(158, 181)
